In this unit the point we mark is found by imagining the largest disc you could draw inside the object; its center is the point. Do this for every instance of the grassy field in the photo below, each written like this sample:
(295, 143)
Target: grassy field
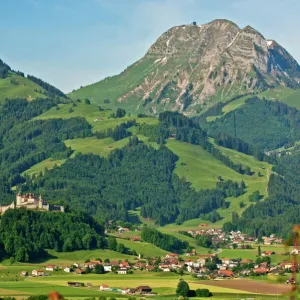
(100, 120)
(116, 86)
(97, 146)
(40, 167)
(25, 88)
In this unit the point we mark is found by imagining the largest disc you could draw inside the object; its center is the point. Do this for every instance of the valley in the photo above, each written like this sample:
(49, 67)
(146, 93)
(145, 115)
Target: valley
(177, 178)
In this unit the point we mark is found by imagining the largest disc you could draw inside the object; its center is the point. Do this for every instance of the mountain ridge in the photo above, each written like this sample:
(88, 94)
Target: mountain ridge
(190, 66)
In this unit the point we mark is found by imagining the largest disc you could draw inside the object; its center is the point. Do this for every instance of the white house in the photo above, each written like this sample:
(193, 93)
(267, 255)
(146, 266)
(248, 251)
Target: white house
(50, 268)
(122, 271)
(107, 267)
(125, 291)
(67, 269)
(37, 273)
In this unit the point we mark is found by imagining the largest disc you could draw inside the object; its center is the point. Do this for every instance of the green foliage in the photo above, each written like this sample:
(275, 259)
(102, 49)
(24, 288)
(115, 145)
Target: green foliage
(182, 289)
(120, 113)
(4, 69)
(263, 124)
(51, 90)
(255, 197)
(204, 240)
(99, 269)
(203, 293)
(25, 234)
(164, 241)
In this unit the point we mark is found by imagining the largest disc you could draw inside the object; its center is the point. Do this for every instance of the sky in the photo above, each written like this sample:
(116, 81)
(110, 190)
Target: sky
(72, 43)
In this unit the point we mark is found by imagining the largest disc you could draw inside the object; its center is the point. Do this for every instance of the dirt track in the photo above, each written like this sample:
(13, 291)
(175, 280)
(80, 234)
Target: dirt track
(249, 286)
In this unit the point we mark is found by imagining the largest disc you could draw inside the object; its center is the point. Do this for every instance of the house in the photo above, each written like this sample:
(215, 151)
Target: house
(75, 284)
(267, 253)
(225, 261)
(143, 290)
(260, 271)
(76, 265)
(203, 225)
(107, 267)
(24, 273)
(104, 287)
(122, 271)
(125, 264)
(51, 268)
(150, 268)
(286, 265)
(125, 291)
(67, 269)
(172, 255)
(225, 273)
(121, 230)
(246, 261)
(79, 271)
(136, 238)
(37, 273)
(295, 251)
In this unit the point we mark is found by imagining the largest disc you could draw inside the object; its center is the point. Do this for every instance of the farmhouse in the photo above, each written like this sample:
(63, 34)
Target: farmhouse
(104, 287)
(50, 268)
(172, 255)
(37, 273)
(268, 253)
(122, 271)
(67, 269)
(24, 273)
(143, 290)
(225, 273)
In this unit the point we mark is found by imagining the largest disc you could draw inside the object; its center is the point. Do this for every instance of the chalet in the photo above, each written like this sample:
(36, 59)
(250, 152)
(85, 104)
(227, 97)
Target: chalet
(260, 271)
(143, 290)
(150, 268)
(286, 265)
(125, 291)
(268, 253)
(79, 271)
(104, 287)
(51, 268)
(67, 269)
(165, 268)
(225, 273)
(75, 284)
(122, 271)
(246, 261)
(125, 264)
(136, 238)
(122, 229)
(24, 273)
(37, 273)
(107, 267)
(172, 255)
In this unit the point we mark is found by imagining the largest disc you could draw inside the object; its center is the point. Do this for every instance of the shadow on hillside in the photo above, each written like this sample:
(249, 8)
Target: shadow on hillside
(43, 258)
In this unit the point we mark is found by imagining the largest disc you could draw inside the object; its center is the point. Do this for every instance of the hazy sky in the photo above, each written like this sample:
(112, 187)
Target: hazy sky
(70, 43)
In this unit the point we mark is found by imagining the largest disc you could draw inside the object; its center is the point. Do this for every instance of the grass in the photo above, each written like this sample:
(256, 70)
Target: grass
(146, 249)
(40, 167)
(25, 88)
(97, 146)
(116, 86)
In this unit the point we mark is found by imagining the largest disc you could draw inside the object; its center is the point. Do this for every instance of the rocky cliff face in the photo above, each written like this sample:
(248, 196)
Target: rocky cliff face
(190, 66)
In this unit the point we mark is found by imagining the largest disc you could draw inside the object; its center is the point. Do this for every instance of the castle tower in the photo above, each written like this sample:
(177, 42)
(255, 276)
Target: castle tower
(41, 202)
(19, 199)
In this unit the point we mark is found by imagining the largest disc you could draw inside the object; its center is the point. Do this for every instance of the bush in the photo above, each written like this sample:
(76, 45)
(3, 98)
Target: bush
(203, 293)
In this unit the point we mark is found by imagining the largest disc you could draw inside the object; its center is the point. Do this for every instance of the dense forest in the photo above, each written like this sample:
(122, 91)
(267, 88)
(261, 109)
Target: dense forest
(281, 210)
(25, 234)
(135, 176)
(163, 241)
(263, 124)
(4, 69)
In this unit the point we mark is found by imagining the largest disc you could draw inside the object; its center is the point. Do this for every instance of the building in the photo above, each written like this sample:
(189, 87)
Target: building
(122, 271)
(105, 287)
(143, 290)
(67, 269)
(30, 201)
(24, 273)
(50, 268)
(172, 255)
(37, 273)
(75, 284)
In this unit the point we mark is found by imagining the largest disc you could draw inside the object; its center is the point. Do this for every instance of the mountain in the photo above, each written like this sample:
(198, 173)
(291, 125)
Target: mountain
(190, 66)
(14, 84)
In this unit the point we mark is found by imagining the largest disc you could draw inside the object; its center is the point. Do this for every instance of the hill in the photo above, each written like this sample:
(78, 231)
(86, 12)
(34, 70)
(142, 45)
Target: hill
(15, 85)
(190, 67)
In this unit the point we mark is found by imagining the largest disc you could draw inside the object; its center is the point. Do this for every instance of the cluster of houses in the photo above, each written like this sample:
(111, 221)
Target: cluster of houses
(233, 239)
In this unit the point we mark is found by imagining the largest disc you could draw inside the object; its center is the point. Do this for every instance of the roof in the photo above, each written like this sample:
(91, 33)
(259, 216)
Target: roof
(144, 287)
(226, 272)
(172, 254)
(260, 270)
(104, 285)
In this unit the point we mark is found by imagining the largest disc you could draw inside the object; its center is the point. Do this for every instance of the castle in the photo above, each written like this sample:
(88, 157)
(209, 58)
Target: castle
(29, 201)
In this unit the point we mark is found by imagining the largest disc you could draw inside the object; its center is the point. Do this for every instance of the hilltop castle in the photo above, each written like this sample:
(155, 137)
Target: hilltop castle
(29, 201)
